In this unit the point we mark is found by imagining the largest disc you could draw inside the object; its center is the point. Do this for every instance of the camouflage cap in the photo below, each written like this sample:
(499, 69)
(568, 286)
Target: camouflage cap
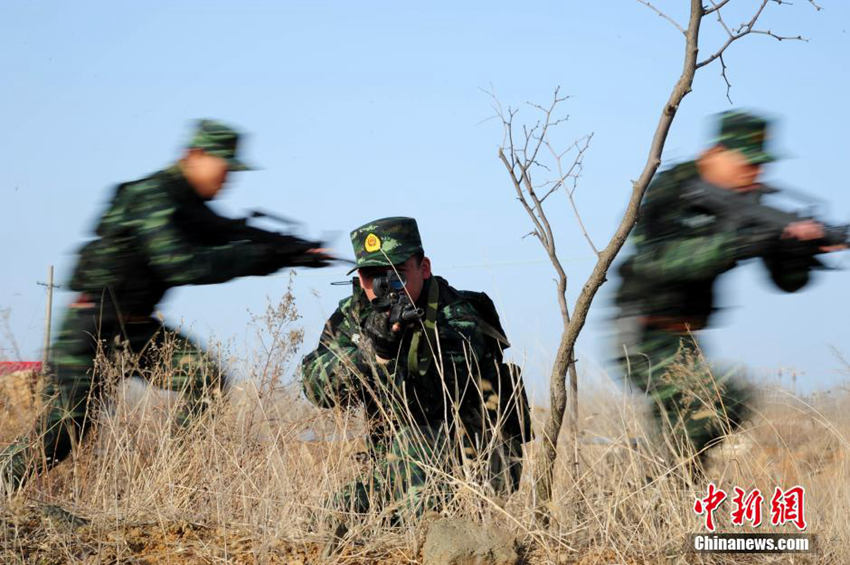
(385, 242)
(746, 133)
(220, 140)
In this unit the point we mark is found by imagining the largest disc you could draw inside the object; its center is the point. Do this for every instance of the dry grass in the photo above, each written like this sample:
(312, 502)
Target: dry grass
(251, 480)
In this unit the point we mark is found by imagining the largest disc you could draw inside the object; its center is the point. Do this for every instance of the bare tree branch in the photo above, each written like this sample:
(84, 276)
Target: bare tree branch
(519, 161)
(779, 37)
(573, 174)
(663, 15)
(725, 79)
(742, 30)
(715, 6)
(721, 21)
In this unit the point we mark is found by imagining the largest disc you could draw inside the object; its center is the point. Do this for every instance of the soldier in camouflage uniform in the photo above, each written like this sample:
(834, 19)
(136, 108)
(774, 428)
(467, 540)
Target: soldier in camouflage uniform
(156, 233)
(435, 389)
(667, 286)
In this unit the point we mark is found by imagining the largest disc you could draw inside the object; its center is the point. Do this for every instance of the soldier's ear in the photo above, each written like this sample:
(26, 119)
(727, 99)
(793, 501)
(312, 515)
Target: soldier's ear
(426, 268)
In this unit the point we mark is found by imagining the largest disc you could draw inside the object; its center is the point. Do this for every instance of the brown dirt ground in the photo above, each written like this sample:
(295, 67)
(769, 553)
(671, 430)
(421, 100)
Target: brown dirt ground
(47, 535)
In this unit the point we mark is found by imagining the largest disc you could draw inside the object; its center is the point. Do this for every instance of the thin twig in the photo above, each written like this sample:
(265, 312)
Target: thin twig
(725, 79)
(743, 30)
(722, 22)
(574, 172)
(715, 6)
(779, 37)
(664, 16)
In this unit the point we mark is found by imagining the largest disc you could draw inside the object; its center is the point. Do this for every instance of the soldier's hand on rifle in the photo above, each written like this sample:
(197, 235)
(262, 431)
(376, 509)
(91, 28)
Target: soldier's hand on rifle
(805, 230)
(315, 257)
(321, 256)
(385, 339)
(810, 230)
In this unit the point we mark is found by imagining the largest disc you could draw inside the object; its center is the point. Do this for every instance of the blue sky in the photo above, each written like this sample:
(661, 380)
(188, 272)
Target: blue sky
(363, 110)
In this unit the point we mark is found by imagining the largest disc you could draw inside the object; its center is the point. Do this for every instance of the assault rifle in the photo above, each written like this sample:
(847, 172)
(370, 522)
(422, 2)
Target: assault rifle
(284, 244)
(390, 295)
(762, 224)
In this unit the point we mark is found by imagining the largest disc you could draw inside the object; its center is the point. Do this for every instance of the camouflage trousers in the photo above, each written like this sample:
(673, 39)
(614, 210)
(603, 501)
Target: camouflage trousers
(412, 472)
(690, 401)
(95, 347)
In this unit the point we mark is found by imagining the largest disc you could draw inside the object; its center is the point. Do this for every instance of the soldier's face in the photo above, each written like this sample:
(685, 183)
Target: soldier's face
(206, 173)
(728, 168)
(413, 271)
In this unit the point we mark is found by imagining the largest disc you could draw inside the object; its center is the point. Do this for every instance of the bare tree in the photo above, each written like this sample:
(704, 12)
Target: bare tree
(528, 152)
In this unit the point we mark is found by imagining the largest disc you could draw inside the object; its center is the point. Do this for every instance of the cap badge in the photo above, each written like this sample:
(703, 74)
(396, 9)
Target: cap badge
(372, 243)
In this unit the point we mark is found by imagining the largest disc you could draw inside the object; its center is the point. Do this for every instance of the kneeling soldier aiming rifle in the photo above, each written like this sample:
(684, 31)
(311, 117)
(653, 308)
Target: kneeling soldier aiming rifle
(425, 360)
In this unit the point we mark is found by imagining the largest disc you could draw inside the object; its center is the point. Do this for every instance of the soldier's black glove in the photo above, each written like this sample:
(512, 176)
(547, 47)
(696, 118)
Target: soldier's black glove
(267, 259)
(275, 258)
(384, 340)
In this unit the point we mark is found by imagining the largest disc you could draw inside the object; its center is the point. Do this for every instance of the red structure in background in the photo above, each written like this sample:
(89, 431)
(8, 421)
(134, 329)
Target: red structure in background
(7, 367)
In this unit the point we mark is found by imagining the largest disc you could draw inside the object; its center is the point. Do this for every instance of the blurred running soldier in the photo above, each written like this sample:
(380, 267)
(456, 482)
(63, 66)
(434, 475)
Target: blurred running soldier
(156, 233)
(667, 290)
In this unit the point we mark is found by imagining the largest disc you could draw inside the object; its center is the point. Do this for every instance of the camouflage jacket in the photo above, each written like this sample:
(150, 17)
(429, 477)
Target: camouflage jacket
(679, 251)
(157, 233)
(451, 360)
